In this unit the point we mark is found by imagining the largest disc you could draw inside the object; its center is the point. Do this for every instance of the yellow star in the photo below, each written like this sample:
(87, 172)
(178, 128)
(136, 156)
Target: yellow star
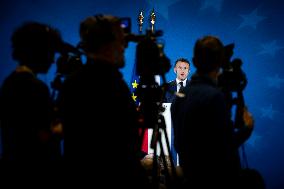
(135, 84)
(134, 97)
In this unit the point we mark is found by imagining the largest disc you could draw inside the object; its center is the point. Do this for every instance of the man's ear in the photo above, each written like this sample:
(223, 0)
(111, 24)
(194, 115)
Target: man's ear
(175, 70)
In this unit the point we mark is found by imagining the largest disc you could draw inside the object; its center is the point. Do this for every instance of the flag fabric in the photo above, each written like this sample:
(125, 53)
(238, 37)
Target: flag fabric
(134, 83)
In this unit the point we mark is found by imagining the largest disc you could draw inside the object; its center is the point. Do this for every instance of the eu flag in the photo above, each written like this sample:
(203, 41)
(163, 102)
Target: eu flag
(134, 83)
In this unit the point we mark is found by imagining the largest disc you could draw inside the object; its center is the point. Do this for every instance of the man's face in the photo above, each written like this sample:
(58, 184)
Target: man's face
(182, 70)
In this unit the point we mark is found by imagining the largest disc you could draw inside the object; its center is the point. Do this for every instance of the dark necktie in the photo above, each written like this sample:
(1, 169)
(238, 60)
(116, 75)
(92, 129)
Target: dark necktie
(181, 86)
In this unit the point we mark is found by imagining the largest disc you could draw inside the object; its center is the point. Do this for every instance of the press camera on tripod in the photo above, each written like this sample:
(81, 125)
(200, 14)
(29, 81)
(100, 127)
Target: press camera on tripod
(151, 61)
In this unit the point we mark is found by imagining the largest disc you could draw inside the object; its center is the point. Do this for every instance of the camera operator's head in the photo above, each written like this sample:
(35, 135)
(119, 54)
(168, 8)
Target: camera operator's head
(103, 38)
(34, 45)
(208, 55)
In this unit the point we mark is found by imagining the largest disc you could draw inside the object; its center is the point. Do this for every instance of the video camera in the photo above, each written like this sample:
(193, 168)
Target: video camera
(150, 57)
(70, 59)
(232, 79)
(150, 62)
(68, 62)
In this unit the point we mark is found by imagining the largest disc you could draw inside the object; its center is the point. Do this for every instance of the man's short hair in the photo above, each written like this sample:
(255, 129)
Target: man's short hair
(208, 54)
(182, 60)
(95, 31)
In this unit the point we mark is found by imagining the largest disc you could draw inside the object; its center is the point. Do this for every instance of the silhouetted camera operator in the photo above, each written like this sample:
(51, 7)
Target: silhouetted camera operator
(26, 106)
(98, 113)
(207, 139)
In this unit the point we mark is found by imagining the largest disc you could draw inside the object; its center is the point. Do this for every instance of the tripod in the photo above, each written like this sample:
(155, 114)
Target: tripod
(153, 118)
(169, 170)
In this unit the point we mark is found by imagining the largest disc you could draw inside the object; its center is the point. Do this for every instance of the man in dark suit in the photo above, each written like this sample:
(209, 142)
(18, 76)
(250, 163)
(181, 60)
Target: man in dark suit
(175, 88)
(181, 69)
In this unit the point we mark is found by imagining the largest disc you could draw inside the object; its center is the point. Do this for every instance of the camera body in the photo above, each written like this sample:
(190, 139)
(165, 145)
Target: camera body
(150, 57)
(232, 78)
(70, 59)
(67, 63)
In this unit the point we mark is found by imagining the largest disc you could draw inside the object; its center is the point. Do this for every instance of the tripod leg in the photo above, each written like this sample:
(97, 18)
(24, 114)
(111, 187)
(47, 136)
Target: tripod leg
(155, 168)
(172, 165)
(165, 165)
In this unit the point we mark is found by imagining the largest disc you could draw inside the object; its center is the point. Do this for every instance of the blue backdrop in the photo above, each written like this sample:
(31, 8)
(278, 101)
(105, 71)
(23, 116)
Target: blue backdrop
(255, 26)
